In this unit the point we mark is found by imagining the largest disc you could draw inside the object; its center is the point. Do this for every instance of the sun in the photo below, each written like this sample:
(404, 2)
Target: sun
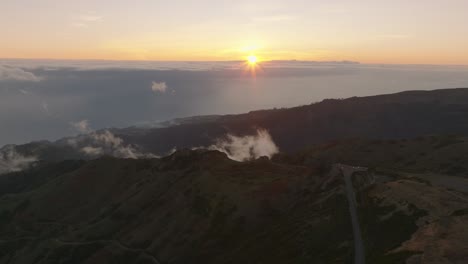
(252, 65)
(252, 59)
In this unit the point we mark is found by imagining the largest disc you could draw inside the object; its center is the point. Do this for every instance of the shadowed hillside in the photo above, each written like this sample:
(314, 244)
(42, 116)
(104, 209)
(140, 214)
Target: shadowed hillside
(384, 117)
(201, 207)
(401, 115)
(69, 201)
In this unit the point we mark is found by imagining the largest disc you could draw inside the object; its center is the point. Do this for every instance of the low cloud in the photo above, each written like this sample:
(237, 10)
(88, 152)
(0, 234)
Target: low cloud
(45, 107)
(81, 126)
(23, 91)
(104, 142)
(159, 87)
(8, 73)
(247, 147)
(11, 160)
(210, 66)
(92, 151)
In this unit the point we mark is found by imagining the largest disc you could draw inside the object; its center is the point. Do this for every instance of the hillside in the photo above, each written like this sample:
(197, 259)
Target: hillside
(389, 169)
(201, 207)
(384, 117)
(394, 116)
(425, 154)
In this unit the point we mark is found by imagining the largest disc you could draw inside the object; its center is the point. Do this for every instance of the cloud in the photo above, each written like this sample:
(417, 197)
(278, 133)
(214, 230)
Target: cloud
(104, 142)
(92, 151)
(277, 18)
(158, 87)
(90, 18)
(81, 126)
(11, 160)
(393, 36)
(85, 20)
(45, 107)
(8, 73)
(79, 24)
(247, 147)
(23, 91)
(201, 66)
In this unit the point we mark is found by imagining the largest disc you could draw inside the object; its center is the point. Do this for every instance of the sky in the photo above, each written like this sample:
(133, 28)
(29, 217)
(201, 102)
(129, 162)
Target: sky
(368, 31)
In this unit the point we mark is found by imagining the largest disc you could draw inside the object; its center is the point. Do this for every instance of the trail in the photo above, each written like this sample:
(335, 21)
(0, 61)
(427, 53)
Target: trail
(348, 171)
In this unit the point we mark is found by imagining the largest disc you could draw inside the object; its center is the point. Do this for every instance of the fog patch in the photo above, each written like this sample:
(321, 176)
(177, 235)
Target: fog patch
(247, 147)
(11, 160)
(104, 142)
(81, 126)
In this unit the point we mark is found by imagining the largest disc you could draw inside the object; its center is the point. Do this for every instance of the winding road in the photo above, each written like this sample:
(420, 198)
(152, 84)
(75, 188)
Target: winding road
(348, 171)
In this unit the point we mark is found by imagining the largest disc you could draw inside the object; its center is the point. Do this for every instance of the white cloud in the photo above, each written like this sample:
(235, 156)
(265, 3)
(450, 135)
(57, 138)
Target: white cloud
(79, 24)
(158, 87)
(89, 18)
(104, 142)
(92, 151)
(247, 147)
(85, 20)
(23, 91)
(8, 73)
(11, 160)
(45, 107)
(81, 126)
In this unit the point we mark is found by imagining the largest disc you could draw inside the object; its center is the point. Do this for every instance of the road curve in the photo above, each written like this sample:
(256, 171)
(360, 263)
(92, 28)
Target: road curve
(348, 171)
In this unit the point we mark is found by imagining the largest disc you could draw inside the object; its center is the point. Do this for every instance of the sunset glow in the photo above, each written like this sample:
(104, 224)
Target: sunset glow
(229, 119)
(364, 31)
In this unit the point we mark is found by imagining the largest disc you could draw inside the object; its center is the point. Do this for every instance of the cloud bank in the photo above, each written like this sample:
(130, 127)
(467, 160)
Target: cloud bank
(247, 147)
(211, 66)
(8, 73)
(11, 160)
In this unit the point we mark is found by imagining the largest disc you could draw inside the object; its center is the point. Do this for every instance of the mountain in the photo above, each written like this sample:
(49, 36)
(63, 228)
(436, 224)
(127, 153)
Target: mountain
(401, 115)
(394, 116)
(202, 207)
(381, 179)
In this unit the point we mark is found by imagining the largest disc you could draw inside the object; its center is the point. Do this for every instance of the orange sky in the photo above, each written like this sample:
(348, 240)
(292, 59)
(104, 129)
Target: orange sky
(369, 31)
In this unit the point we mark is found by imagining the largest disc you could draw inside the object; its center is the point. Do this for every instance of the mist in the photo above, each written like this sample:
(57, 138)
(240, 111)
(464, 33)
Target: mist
(99, 143)
(12, 161)
(247, 147)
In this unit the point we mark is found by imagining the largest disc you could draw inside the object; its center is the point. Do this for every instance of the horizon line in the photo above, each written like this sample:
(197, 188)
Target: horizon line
(238, 61)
